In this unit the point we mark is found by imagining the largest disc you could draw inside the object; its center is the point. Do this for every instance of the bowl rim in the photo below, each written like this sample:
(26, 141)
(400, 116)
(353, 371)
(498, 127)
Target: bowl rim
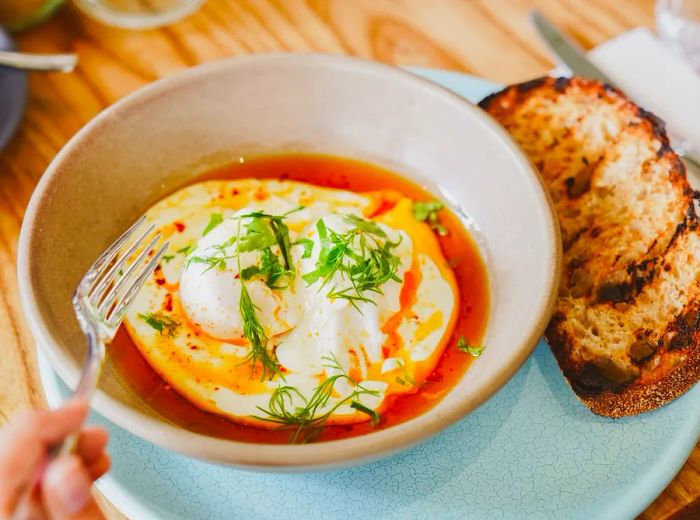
(271, 457)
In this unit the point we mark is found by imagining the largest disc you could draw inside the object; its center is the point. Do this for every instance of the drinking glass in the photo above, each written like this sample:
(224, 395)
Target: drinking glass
(678, 25)
(138, 14)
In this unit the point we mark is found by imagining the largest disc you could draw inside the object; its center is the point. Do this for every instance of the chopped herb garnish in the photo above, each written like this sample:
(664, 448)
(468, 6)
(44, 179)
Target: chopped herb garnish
(167, 258)
(307, 421)
(362, 408)
(186, 250)
(264, 231)
(276, 276)
(162, 323)
(363, 257)
(428, 212)
(405, 379)
(214, 220)
(253, 330)
(308, 246)
(365, 225)
(464, 346)
(215, 258)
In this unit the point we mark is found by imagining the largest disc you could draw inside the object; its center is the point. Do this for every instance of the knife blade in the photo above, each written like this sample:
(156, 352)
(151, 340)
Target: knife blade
(575, 58)
(566, 50)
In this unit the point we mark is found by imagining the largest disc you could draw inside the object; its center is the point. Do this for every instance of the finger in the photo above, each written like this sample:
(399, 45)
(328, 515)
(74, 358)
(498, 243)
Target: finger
(29, 436)
(51, 427)
(66, 491)
(91, 444)
(99, 467)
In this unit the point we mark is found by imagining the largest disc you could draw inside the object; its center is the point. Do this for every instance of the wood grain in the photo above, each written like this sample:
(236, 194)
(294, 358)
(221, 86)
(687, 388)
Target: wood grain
(490, 38)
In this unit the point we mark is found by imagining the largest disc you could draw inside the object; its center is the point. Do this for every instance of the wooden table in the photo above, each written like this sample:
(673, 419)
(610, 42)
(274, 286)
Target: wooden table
(490, 38)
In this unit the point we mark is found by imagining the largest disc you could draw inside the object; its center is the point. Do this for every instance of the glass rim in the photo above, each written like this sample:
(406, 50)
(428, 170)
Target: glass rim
(113, 18)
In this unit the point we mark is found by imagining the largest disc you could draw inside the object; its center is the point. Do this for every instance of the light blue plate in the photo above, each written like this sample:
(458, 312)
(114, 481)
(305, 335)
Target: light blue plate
(532, 451)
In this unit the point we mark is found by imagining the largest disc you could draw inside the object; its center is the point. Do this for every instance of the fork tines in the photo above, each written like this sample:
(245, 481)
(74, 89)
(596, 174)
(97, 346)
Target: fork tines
(116, 277)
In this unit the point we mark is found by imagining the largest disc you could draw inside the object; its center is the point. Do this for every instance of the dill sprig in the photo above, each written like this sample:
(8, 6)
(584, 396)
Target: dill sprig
(307, 421)
(363, 256)
(215, 257)
(165, 325)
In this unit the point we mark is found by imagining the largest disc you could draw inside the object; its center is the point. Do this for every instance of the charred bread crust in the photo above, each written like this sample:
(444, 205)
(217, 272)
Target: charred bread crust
(662, 359)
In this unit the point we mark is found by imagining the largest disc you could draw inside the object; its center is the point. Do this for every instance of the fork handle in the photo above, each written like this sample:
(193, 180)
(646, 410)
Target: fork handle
(87, 385)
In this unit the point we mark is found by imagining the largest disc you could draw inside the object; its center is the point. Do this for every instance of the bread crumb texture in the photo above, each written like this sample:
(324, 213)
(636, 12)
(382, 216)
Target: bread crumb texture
(626, 330)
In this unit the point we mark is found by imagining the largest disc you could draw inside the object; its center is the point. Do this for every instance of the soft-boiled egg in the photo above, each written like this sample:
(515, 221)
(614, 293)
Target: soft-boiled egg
(282, 303)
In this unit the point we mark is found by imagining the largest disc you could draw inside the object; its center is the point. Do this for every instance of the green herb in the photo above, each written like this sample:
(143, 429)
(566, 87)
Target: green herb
(259, 233)
(214, 220)
(362, 408)
(464, 346)
(365, 225)
(308, 246)
(405, 379)
(216, 257)
(264, 231)
(306, 422)
(275, 276)
(428, 212)
(362, 256)
(186, 250)
(167, 258)
(160, 322)
(253, 330)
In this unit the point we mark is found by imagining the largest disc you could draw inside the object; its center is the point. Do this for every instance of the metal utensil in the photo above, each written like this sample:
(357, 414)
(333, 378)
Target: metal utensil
(38, 62)
(107, 290)
(574, 57)
(100, 302)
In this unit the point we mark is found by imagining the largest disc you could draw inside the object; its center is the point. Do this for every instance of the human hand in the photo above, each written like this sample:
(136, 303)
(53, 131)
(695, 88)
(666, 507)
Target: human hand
(63, 492)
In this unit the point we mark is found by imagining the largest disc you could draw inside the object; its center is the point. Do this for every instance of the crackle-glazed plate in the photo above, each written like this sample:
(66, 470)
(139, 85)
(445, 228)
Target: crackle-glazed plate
(531, 451)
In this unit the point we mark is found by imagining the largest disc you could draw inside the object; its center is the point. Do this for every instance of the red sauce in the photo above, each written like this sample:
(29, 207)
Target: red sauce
(333, 172)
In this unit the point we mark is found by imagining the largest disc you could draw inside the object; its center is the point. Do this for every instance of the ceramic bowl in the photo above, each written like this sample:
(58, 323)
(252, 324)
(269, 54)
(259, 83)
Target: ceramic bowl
(165, 135)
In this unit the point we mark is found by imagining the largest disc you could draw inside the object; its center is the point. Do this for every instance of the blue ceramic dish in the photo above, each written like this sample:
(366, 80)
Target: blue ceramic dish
(531, 451)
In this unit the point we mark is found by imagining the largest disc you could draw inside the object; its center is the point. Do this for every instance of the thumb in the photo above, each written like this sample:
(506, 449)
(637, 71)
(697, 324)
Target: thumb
(66, 491)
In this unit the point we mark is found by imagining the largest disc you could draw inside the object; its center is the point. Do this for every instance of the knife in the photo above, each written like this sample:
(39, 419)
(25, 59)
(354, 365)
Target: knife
(575, 58)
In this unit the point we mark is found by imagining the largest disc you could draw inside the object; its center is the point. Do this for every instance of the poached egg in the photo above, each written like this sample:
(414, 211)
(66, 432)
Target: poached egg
(329, 332)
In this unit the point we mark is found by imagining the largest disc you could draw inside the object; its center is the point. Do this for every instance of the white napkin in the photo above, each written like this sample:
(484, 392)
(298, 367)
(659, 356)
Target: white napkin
(654, 78)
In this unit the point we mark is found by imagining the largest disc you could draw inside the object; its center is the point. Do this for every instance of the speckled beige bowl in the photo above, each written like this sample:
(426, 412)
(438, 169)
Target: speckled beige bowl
(165, 135)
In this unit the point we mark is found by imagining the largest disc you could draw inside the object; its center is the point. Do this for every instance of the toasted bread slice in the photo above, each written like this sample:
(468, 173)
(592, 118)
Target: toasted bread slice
(626, 331)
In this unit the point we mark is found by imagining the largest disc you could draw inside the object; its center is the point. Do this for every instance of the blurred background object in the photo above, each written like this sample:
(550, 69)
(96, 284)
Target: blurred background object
(678, 25)
(13, 94)
(138, 14)
(16, 15)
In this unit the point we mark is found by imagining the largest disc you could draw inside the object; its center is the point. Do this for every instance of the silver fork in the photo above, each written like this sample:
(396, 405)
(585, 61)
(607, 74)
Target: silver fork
(100, 301)
(104, 295)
